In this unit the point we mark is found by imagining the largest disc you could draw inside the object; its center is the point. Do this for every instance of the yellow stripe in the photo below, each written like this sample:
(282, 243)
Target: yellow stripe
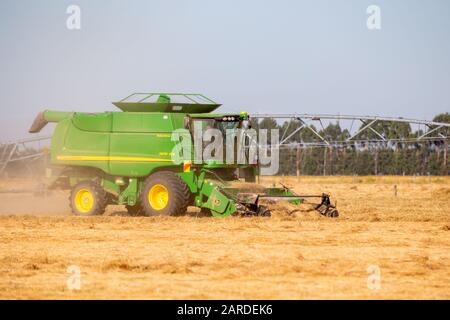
(109, 158)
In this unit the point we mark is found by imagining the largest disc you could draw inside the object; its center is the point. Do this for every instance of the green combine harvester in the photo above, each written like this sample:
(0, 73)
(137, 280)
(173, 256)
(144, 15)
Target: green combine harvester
(125, 158)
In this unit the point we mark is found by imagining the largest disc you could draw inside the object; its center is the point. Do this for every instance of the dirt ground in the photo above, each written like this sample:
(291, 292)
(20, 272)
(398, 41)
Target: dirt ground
(392, 241)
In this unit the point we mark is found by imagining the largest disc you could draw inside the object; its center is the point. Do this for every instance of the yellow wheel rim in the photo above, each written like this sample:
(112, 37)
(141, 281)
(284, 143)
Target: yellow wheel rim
(158, 197)
(84, 200)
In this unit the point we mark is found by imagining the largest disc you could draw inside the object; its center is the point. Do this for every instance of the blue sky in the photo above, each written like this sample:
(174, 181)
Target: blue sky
(260, 56)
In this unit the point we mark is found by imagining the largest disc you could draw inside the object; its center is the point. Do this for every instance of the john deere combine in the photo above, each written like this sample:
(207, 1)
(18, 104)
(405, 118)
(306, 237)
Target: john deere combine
(126, 158)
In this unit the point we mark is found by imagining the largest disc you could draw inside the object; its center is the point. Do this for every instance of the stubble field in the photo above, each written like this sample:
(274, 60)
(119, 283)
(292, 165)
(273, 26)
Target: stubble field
(391, 241)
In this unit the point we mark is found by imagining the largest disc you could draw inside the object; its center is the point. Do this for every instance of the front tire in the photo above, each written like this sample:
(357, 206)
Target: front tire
(87, 199)
(164, 193)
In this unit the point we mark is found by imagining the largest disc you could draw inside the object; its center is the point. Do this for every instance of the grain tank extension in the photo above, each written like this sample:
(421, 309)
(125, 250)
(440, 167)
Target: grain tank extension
(125, 158)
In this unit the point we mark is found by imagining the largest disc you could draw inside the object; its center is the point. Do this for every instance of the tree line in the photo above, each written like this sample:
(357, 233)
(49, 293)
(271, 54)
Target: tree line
(400, 156)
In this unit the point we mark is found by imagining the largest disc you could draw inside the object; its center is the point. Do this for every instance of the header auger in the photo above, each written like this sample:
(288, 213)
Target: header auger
(126, 158)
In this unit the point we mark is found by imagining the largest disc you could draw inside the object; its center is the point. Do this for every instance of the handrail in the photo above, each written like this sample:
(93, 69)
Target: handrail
(186, 95)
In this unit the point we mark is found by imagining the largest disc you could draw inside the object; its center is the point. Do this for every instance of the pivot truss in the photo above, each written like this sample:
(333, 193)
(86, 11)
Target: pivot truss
(311, 130)
(25, 149)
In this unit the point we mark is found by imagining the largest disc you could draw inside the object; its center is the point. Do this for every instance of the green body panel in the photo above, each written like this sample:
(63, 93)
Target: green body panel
(69, 141)
(121, 144)
(143, 122)
(208, 194)
(93, 122)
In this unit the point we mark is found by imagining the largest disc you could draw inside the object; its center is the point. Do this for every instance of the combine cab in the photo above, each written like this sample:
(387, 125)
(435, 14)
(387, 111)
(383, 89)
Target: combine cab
(126, 158)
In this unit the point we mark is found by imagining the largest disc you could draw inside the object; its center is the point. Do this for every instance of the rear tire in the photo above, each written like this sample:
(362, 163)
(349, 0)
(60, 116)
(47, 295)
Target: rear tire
(87, 198)
(164, 193)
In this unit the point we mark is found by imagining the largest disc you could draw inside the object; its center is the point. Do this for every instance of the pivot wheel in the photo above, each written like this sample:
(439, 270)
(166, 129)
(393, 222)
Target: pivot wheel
(88, 199)
(164, 193)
